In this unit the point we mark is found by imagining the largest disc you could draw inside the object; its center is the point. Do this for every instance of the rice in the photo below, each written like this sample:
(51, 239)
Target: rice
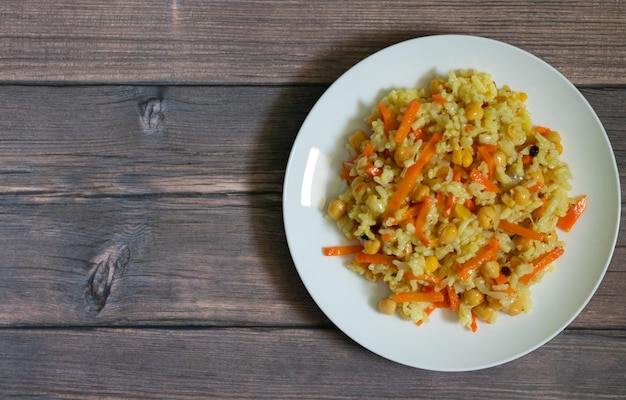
(460, 210)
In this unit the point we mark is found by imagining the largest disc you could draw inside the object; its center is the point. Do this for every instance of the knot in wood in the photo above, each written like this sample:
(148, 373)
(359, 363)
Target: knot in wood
(107, 265)
(152, 117)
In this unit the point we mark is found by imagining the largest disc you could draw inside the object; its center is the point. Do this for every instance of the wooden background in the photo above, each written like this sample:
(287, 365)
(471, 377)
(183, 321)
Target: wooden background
(142, 153)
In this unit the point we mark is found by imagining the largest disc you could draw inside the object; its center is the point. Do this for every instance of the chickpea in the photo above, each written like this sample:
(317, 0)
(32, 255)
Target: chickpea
(486, 216)
(483, 312)
(490, 269)
(457, 156)
(499, 158)
(522, 243)
(537, 176)
(356, 139)
(517, 307)
(467, 158)
(436, 85)
(419, 192)
(448, 233)
(387, 306)
(521, 195)
(337, 208)
(402, 154)
(372, 246)
(431, 264)
(474, 111)
(473, 297)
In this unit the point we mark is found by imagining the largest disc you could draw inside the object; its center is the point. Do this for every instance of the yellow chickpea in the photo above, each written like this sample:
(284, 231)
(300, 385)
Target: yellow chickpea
(486, 216)
(517, 307)
(387, 306)
(356, 139)
(436, 85)
(490, 269)
(499, 158)
(431, 264)
(337, 208)
(483, 312)
(473, 297)
(522, 243)
(448, 233)
(419, 192)
(372, 246)
(467, 158)
(474, 111)
(521, 195)
(402, 154)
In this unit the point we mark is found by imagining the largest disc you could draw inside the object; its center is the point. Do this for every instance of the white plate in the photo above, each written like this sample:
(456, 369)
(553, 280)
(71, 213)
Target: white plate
(350, 301)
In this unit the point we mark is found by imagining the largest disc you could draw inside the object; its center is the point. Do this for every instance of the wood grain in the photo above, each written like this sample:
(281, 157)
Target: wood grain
(284, 364)
(112, 219)
(260, 42)
(143, 148)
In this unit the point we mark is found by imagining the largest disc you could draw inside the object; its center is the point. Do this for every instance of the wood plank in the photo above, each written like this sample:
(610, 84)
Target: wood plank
(125, 140)
(193, 41)
(277, 363)
(202, 261)
(80, 187)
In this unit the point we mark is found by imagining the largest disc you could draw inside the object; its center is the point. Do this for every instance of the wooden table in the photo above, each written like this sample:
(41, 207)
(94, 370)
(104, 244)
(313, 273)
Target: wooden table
(143, 147)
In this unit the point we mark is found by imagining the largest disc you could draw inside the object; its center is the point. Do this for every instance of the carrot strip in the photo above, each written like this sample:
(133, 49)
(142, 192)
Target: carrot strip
(476, 176)
(368, 150)
(488, 159)
(342, 250)
(420, 221)
(422, 277)
(542, 130)
(487, 253)
(543, 261)
(419, 134)
(439, 99)
(374, 171)
(520, 230)
(407, 121)
(474, 325)
(469, 204)
(405, 297)
(413, 172)
(501, 279)
(453, 298)
(385, 237)
(387, 121)
(449, 206)
(567, 221)
(374, 259)
(527, 159)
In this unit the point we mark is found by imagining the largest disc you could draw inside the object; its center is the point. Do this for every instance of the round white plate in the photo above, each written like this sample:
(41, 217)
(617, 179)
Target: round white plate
(350, 301)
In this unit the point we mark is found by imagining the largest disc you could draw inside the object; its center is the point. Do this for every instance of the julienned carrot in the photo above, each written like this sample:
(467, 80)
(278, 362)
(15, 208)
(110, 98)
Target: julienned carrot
(422, 277)
(407, 121)
(449, 205)
(373, 170)
(387, 121)
(487, 253)
(543, 261)
(453, 298)
(413, 172)
(567, 221)
(368, 151)
(542, 130)
(374, 259)
(476, 176)
(520, 230)
(501, 279)
(474, 324)
(488, 159)
(342, 250)
(420, 221)
(438, 98)
(432, 297)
